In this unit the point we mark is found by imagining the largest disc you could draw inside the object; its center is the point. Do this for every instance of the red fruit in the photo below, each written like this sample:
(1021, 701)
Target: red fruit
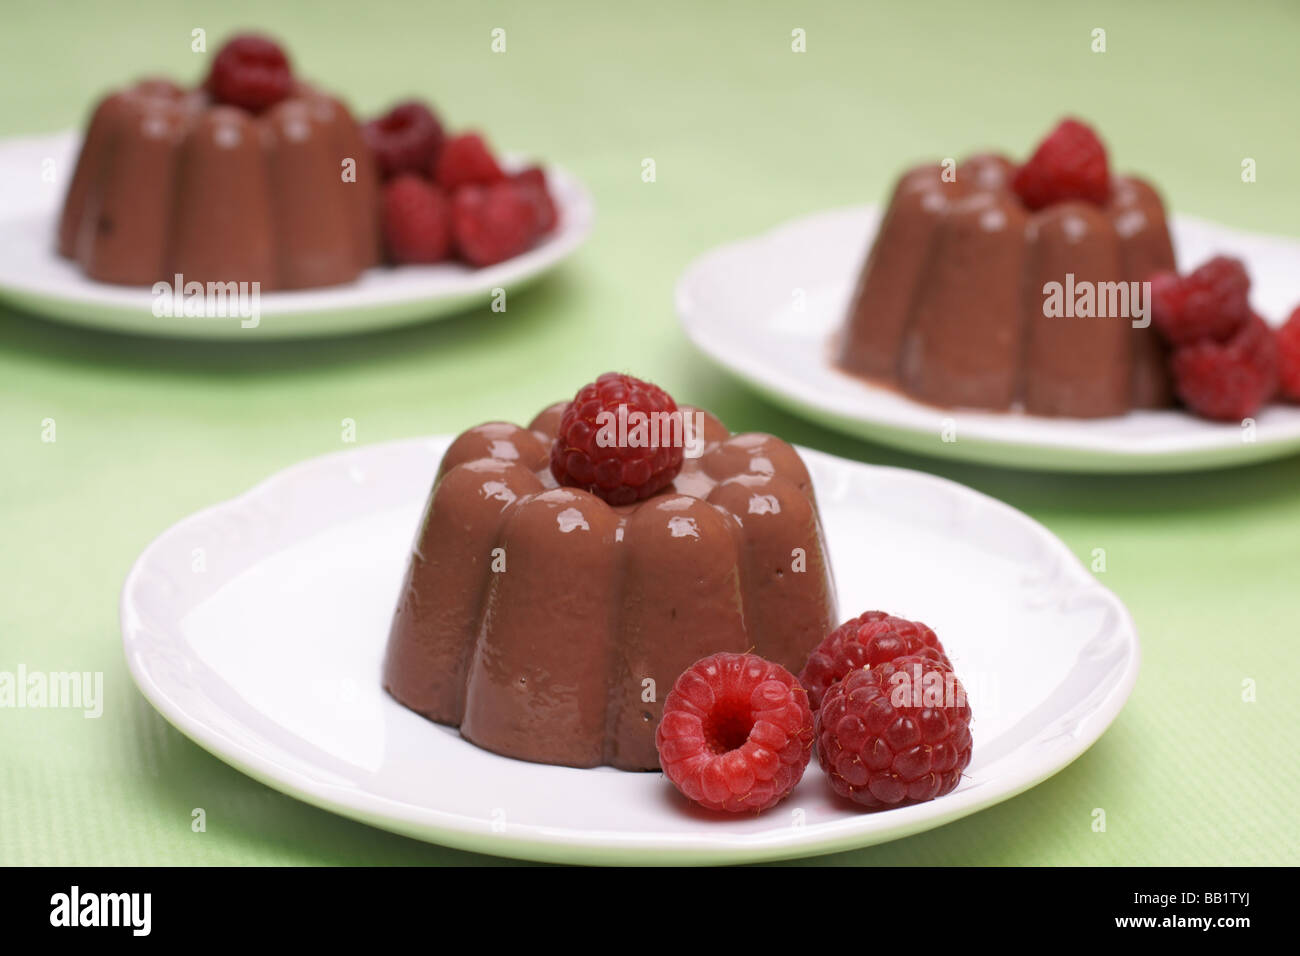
(1069, 164)
(492, 223)
(416, 220)
(1288, 356)
(251, 72)
(533, 175)
(465, 160)
(1228, 381)
(533, 182)
(1166, 300)
(868, 640)
(621, 465)
(736, 733)
(1212, 302)
(406, 139)
(893, 734)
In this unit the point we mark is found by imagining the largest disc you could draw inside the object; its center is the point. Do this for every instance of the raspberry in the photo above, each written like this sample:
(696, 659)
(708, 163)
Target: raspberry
(406, 139)
(736, 733)
(1211, 302)
(416, 220)
(1069, 164)
(492, 223)
(465, 160)
(533, 182)
(590, 453)
(868, 640)
(1288, 357)
(895, 733)
(1228, 381)
(251, 72)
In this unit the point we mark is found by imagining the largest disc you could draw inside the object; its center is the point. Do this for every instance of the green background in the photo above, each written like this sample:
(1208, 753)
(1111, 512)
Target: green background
(745, 134)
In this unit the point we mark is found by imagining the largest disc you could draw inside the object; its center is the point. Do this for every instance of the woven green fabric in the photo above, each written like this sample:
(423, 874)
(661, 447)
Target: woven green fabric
(745, 134)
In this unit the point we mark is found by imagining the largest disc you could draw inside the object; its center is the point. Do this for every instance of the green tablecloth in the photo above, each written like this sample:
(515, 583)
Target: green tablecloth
(745, 134)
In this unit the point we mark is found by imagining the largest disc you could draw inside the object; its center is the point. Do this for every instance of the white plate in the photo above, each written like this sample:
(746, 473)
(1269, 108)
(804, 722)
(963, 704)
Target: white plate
(257, 627)
(34, 173)
(740, 305)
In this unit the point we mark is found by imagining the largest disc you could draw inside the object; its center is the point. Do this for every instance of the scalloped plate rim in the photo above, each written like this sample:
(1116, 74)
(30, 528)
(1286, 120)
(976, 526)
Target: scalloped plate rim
(597, 847)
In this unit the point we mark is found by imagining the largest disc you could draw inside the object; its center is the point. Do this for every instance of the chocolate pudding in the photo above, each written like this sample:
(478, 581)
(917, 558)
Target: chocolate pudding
(549, 625)
(169, 183)
(949, 306)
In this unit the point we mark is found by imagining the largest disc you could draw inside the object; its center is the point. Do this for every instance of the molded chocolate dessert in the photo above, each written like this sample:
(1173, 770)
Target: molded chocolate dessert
(549, 625)
(949, 305)
(169, 183)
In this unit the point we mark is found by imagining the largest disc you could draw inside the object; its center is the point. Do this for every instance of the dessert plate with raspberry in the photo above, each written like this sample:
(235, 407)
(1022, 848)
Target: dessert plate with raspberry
(1042, 315)
(252, 205)
(285, 658)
